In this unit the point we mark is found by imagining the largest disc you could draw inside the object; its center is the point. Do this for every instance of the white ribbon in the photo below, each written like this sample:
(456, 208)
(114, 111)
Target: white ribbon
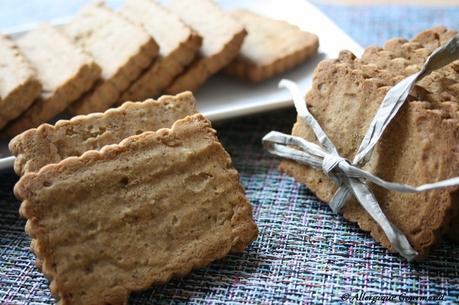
(349, 176)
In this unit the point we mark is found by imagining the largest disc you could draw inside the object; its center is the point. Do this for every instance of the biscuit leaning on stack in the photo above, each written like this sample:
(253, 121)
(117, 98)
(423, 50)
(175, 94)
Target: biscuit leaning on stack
(19, 85)
(222, 39)
(63, 69)
(419, 146)
(118, 219)
(96, 248)
(119, 47)
(48, 144)
(178, 46)
(270, 48)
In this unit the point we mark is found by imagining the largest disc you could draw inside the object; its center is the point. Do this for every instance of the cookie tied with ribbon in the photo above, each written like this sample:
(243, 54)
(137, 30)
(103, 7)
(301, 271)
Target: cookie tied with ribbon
(376, 149)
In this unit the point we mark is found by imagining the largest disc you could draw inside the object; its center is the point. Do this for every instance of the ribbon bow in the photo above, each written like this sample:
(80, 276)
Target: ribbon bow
(349, 176)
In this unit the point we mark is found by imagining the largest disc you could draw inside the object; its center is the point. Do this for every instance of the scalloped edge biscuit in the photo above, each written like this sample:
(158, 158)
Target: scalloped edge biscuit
(47, 144)
(178, 46)
(64, 70)
(441, 88)
(222, 39)
(19, 86)
(122, 50)
(106, 258)
(270, 48)
(426, 138)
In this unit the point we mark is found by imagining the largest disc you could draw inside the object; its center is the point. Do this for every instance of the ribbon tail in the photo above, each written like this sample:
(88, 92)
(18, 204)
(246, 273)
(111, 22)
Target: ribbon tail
(303, 112)
(339, 199)
(276, 144)
(396, 97)
(353, 171)
(343, 192)
(369, 203)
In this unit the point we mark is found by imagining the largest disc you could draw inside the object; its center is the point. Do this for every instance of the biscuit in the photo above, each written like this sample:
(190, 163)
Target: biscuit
(136, 214)
(19, 86)
(222, 39)
(418, 147)
(441, 87)
(63, 69)
(120, 48)
(270, 48)
(178, 45)
(47, 144)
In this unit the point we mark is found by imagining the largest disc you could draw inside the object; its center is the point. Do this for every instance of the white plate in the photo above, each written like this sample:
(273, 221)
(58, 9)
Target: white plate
(223, 97)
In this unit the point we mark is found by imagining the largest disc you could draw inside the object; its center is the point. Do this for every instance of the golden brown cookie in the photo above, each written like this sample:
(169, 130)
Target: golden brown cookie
(441, 87)
(178, 45)
(120, 220)
(48, 144)
(419, 146)
(19, 85)
(270, 48)
(222, 39)
(63, 69)
(121, 48)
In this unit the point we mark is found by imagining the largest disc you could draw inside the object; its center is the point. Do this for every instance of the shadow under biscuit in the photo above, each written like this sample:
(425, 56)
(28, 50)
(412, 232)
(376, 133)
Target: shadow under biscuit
(200, 285)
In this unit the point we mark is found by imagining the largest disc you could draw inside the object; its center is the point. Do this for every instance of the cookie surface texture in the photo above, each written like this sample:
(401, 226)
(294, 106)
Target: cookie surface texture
(222, 39)
(270, 48)
(419, 146)
(65, 71)
(135, 214)
(178, 45)
(19, 85)
(47, 144)
(121, 48)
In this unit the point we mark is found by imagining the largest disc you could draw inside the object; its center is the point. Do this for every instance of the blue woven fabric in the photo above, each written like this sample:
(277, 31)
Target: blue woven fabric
(375, 24)
(304, 253)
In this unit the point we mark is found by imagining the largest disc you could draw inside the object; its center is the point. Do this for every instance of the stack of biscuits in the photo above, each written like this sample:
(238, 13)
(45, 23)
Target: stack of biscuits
(421, 144)
(102, 58)
(118, 201)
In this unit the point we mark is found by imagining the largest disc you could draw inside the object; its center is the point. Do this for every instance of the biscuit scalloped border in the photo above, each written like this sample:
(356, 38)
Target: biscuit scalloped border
(243, 231)
(20, 165)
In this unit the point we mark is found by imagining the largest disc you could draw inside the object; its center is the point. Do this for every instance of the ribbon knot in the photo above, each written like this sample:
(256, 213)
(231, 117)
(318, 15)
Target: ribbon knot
(350, 178)
(330, 162)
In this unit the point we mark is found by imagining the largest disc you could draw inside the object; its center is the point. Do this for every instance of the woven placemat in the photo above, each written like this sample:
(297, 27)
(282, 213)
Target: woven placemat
(304, 254)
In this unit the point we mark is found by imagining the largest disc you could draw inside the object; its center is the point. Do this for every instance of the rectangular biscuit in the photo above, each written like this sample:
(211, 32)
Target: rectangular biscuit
(418, 147)
(399, 56)
(63, 69)
(271, 47)
(178, 45)
(47, 144)
(132, 215)
(222, 39)
(442, 88)
(120, 48)
(19, 86)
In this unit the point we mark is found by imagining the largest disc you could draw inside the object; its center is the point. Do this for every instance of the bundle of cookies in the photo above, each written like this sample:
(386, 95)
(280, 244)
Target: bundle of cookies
(102, 58)
(421, 144)
(121, 200)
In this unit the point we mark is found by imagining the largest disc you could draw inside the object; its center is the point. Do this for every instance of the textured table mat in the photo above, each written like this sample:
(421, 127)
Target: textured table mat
(304, 253)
